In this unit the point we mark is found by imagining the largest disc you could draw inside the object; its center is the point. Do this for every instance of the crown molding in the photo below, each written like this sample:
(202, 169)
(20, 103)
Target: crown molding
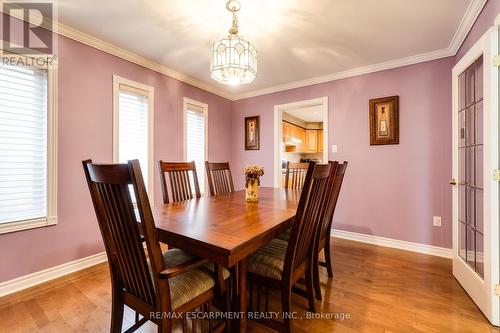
(99, 44)
(470, 16)
(109, 48)
(424, 57)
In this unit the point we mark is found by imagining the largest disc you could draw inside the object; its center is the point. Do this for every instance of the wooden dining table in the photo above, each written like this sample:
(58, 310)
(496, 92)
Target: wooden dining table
(226, 230)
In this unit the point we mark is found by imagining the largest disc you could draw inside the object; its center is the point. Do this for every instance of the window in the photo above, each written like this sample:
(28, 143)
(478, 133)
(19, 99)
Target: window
(133, 126)
(27, 147)
(195, 136)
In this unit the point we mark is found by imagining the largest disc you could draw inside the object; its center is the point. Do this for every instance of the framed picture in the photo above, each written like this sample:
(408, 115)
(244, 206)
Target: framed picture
(384, 121)
(252, 133)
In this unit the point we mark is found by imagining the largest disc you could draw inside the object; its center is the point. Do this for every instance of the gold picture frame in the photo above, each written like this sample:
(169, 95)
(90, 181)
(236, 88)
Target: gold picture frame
(252, 133)
(384, 121)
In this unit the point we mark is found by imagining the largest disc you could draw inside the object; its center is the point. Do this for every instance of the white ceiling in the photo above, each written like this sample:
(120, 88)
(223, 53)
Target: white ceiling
(296, 40)
(310, 114)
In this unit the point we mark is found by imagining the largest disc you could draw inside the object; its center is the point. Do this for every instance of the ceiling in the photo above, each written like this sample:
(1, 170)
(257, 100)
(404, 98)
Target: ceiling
(296, 40)
(310, 114)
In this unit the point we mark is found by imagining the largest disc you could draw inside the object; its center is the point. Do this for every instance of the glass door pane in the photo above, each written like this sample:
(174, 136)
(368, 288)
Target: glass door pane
(470, 163)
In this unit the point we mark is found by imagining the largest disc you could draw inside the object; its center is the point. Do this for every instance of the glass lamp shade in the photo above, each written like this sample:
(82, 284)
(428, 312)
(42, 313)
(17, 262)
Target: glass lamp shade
(234, 61)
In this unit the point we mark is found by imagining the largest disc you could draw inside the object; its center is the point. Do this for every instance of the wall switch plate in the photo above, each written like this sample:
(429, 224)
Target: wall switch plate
(436, 221)
(496, 60)
(334, 148)
(496, 175)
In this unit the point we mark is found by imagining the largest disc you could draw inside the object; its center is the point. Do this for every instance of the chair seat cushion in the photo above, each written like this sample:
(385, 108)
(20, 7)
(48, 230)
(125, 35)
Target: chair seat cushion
(269, 260)
(176, 257)
(186, 286)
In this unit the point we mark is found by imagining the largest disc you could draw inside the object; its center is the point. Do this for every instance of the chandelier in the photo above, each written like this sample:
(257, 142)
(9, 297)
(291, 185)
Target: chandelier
(234, 60)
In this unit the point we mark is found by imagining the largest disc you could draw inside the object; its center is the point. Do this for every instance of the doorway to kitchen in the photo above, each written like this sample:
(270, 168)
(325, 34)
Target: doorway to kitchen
(300, 134)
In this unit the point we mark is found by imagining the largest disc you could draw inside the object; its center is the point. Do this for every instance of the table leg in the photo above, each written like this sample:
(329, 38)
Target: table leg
(242, 295)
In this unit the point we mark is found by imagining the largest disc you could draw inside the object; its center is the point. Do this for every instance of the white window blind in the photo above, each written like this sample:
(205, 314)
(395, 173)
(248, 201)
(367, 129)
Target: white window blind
(133, 139)
(195, 140)
(23, 143)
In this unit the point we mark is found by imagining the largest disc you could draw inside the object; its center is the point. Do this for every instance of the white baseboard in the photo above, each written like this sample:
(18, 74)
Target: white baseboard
(394, 243)
(30, 280)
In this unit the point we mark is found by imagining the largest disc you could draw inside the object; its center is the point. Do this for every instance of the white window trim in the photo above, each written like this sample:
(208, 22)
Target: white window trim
(143, 89)
(52, 133)
(186, 102)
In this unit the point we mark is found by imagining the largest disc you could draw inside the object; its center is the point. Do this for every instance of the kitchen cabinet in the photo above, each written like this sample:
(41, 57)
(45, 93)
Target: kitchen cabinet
(311, 141)
(293, 134)
(300, 140)
(294, 137)
(286, 131)
(301, 135)
(320, 141)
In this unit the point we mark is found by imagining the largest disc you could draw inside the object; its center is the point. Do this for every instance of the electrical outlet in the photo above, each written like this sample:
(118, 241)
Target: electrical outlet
(334, 148)
(436, 221)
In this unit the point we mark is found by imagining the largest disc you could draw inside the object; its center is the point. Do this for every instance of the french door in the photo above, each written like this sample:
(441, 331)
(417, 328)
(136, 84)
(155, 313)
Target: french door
(475, 190)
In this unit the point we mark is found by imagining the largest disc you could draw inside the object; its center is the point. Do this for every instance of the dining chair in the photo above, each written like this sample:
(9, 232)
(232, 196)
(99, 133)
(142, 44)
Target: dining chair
(178, 179)
(220, 180)
(295, 175)
(156, 285)
(323, 236)
(280, 264)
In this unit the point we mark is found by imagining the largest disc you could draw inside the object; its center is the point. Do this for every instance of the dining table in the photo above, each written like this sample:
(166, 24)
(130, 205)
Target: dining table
(226, 229)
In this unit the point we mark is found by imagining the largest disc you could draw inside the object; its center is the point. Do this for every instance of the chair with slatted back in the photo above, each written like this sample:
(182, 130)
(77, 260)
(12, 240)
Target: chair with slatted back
(295, 175)
(280, 264)
(220, 180)
(154, 286)
(323, 236)
(177, 181)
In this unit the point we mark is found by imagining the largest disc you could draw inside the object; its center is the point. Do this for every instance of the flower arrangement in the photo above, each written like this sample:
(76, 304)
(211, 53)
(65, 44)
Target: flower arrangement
(253, 173)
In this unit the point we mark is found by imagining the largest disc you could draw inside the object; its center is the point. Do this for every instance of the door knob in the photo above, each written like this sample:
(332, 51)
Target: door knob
(453, 181)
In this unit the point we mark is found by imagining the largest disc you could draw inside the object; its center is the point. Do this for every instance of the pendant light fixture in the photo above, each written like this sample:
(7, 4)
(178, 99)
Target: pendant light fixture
(234, 60)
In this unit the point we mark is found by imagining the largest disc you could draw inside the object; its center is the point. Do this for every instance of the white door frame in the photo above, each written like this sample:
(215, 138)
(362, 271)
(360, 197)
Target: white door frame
(322, 103)
(481, 291)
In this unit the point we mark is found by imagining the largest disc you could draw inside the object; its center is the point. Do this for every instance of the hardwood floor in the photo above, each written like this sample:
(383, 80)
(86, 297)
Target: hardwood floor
(380, 289)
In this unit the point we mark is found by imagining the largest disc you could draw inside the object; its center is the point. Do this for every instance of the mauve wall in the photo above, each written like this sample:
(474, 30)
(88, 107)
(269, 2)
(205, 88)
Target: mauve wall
(85, 131)
(389, 191)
